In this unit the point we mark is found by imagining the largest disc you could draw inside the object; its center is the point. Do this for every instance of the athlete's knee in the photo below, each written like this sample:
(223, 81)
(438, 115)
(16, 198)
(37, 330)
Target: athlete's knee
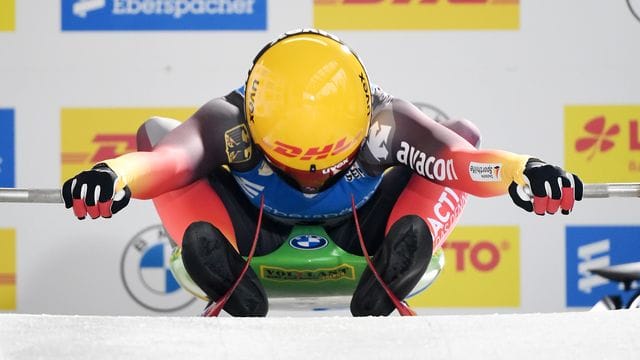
(200, 240)
(401, 262)
(214, 266)
(153, 130)
(413, 223)
(199, 236)
(412, 227)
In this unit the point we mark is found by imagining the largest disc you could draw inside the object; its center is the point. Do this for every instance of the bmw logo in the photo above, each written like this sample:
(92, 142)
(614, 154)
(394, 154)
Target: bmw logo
(308, 242)
(146, 274)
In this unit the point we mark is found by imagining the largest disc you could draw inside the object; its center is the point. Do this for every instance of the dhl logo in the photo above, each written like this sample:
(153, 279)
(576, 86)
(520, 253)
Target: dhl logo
(7, 269)
(7, 279)
(416, 14)
(602, 142)
(7, 15)
(107, 146)
(482, 269)
(91, 135)
(314, 152)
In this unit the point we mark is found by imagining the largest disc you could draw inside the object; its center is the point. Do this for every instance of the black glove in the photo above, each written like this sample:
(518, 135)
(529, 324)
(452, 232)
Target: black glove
(548, 188)
(99, 183)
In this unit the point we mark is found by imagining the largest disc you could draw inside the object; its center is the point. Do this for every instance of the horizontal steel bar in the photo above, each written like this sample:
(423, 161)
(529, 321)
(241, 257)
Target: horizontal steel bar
(50, 196)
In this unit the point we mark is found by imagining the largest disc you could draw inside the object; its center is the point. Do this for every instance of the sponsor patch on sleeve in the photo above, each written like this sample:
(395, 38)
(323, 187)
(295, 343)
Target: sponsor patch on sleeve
(238, 144)
(485, 172)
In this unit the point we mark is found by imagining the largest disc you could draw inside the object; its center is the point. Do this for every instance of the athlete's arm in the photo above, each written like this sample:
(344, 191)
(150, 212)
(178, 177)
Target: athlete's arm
(187, 153)
(442, 156)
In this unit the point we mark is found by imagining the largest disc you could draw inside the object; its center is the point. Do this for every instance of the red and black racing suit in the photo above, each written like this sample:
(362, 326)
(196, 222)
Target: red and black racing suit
(208, 169)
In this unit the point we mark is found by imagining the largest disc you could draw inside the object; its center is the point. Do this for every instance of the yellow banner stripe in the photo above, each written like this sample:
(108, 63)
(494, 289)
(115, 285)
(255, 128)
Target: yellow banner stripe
(7, 15)
(7, 269)
(440, 15)
(482, 269)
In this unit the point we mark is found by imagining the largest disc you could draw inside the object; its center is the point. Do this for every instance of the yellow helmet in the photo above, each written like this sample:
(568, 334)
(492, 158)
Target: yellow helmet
(308, 105)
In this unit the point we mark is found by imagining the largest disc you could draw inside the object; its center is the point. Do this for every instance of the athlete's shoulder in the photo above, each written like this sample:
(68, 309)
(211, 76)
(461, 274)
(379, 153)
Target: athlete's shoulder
(220, 125)
(379, 98)
(374, 157)
(241, 153)
(224, 110)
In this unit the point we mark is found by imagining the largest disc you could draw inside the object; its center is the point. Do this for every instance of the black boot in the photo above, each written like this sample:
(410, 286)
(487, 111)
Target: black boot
(214, 265)
(401, 261)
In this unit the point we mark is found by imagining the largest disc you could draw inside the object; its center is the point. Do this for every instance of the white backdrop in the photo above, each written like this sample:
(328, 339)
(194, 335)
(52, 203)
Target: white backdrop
(512, 84)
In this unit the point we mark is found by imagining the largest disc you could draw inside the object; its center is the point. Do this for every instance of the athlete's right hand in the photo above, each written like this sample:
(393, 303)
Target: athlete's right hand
(94, 192)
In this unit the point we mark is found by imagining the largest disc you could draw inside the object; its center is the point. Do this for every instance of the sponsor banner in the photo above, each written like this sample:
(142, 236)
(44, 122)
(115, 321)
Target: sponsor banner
(416, 14)
(482, 270)
(7, 148)
(274, 273)
(7, 15)
(91, 135)
(7, 269)
(593, 247)
(602, 143)
(109, 15)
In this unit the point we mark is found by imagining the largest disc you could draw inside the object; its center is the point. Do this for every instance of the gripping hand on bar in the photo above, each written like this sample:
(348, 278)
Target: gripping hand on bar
(92, 192)
(95, 193)
(545, 188)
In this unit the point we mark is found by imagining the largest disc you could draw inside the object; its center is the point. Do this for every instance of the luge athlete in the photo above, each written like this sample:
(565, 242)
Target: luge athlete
(306, 134)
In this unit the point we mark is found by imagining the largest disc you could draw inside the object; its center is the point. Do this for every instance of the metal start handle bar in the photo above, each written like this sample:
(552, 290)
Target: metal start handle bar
(54, 196)
(34, 196)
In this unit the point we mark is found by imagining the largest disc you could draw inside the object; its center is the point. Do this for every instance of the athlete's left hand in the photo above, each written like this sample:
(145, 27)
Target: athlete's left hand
(547, 189)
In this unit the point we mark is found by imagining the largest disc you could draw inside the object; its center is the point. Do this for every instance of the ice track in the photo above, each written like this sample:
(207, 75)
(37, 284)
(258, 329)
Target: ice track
(576, 335)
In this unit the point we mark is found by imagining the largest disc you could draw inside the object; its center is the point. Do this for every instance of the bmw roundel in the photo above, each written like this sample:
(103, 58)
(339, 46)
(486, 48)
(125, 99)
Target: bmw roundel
(146, 274)
(308, 242)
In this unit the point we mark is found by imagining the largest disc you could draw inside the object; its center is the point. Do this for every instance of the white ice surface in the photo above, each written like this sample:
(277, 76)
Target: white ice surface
(576, 335)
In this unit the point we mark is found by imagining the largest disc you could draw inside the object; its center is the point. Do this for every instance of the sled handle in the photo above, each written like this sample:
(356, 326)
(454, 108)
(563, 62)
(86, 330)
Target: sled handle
(605, 190)
(34, 196)
(54, 196)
